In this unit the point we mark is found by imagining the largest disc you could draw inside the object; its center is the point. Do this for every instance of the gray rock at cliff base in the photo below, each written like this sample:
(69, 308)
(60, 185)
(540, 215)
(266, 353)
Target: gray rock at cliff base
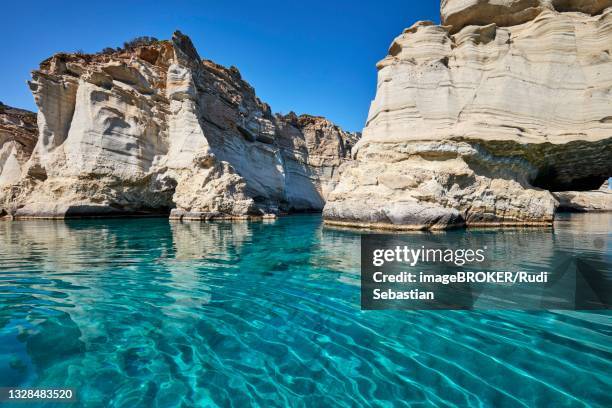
(181, 215)
(155, 127)
(486, 120)
(461, 13)
(355, 211)
(18, 135)
(428, 217)
(586, 201)
(401, 216)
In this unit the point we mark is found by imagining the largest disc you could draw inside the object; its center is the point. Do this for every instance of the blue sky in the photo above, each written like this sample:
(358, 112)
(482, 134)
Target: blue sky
(314, 57)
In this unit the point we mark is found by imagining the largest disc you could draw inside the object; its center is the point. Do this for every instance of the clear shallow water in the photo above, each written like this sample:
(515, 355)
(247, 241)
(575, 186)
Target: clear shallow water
(147, 313)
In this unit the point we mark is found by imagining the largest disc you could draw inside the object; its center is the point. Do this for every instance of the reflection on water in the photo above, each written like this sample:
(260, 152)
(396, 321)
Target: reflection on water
(149, 313)
(573, 257)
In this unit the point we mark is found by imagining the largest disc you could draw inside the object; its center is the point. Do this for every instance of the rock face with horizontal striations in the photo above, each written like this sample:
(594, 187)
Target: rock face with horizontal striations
(460, 13)
(155, 128)
(586, 201)
(18, 135)
(476, 121)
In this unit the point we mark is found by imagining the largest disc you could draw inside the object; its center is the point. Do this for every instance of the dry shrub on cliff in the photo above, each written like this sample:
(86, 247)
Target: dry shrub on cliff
(139, 42)
(129, 45)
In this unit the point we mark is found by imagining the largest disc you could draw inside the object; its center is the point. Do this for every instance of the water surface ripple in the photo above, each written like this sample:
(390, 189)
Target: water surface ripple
(147, 313)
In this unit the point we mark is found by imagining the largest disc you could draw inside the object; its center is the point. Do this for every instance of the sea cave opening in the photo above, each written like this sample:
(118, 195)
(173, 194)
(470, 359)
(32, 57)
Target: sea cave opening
(555, 181)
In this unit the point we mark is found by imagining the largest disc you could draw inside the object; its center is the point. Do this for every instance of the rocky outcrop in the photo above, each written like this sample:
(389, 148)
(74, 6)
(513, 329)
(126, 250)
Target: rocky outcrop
(18, 135)
(503, 13)
(155, 128)
(327, 153)
(476, 121)
(586, 201)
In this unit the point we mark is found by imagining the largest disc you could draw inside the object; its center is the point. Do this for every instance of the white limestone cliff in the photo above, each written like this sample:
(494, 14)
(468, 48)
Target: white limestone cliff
(476, 121)
(154, 128)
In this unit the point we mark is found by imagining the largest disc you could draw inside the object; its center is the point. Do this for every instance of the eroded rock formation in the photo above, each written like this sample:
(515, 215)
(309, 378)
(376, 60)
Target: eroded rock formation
(18, 135)
(503, 13)
(476, 121)
(156, 128)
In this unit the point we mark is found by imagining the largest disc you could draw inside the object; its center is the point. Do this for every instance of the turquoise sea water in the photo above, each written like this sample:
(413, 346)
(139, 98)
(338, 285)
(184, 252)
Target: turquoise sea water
(148, 313)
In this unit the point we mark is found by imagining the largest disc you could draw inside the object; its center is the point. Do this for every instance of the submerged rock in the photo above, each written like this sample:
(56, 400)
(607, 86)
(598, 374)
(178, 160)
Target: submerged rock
(153, 128)
(476, 123)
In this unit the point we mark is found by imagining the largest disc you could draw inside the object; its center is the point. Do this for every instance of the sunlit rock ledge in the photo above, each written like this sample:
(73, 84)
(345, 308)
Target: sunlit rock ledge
(458, 14)
(474, 123)
(152, 128)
